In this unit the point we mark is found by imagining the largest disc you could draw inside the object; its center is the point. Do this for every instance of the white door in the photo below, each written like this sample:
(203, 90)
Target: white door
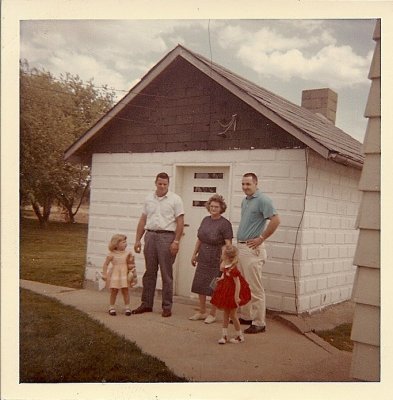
(198, 184)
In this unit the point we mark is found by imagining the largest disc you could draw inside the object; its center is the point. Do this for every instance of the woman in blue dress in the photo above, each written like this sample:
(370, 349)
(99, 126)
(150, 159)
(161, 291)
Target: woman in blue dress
(214, 232)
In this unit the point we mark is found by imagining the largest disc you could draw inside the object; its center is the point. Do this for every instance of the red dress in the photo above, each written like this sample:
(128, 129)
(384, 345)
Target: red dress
(224, 294)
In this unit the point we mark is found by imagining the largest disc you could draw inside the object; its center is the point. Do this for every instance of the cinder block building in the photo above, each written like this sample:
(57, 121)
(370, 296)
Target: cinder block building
(206, 126)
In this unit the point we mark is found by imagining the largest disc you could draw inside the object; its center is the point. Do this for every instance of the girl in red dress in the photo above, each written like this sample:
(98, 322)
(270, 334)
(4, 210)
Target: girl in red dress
(231, 291)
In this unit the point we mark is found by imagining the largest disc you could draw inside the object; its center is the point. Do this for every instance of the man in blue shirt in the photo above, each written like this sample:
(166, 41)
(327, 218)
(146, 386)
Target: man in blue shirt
(256, 209)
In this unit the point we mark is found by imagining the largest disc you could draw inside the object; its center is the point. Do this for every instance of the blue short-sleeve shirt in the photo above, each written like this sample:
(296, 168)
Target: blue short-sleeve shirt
(256, 209)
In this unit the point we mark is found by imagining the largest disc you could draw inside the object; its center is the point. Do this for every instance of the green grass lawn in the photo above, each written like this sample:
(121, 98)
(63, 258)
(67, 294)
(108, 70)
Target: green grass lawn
(59, 343)
(55, 254)
(339, 337)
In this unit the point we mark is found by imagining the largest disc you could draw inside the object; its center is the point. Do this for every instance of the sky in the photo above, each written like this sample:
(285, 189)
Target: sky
(283, 56)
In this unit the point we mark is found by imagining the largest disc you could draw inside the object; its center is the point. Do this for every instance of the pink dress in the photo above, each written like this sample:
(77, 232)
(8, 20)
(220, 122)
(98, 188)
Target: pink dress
(118, 273)
(224, 294)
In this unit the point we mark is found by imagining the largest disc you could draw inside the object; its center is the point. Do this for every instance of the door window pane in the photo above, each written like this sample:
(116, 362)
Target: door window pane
(205, 189)
(199, 203)
(208, 175)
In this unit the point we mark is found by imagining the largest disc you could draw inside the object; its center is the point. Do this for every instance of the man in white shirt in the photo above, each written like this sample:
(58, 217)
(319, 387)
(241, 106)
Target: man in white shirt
(163, 221)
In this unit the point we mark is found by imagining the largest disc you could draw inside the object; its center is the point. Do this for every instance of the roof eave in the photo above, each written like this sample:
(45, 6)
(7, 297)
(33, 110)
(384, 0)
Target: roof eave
(139, 87)
(339, 158)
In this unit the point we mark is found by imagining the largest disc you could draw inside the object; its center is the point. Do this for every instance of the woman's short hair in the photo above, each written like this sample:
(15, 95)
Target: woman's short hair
(115, 240)
(218, 199)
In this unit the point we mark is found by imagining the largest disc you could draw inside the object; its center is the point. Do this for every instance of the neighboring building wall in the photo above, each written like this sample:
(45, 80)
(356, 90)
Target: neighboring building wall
(367, 294)
(120, 182)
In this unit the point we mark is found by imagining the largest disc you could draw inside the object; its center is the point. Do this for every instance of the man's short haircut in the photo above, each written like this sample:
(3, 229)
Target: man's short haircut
(253, 176)
(162, 175)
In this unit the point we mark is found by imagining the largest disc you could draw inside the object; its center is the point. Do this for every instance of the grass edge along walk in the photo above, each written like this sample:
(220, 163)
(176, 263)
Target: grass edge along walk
(61, 344)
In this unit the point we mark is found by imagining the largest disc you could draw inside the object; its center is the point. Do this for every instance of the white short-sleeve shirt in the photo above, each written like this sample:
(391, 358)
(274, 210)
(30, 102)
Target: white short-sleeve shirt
(161, 212)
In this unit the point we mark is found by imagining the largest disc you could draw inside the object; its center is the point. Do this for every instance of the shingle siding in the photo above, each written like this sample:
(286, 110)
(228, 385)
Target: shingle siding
(180, 110)
(366, 294)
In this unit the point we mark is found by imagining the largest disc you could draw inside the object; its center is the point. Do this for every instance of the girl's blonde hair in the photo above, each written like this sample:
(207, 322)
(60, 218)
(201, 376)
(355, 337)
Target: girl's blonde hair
(116, 239)
(230, 253)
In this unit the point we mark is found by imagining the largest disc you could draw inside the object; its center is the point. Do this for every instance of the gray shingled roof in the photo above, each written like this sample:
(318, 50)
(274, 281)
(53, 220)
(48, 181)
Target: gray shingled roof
(315, 126)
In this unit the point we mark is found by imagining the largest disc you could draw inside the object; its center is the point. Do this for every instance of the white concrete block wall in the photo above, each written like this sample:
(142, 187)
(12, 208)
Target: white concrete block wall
(120, 183)
(328, 231)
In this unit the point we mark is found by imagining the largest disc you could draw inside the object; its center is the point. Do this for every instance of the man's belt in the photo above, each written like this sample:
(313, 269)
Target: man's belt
(159, 231)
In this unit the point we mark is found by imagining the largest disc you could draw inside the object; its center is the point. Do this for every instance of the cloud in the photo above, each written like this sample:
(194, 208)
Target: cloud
(307, 56)
(112, 52)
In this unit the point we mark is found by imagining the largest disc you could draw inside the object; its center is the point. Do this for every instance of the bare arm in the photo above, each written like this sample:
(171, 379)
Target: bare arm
(195, 254)
(179, 227)
(140, 230)
(108, 259)
(271, 228)
(178, 234)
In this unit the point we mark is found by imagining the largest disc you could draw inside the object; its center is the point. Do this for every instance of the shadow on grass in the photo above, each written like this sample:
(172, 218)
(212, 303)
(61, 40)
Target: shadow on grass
(61, 344)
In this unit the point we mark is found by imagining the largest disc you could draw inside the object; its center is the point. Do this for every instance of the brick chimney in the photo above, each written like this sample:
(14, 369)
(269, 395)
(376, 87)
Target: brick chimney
(321, 101)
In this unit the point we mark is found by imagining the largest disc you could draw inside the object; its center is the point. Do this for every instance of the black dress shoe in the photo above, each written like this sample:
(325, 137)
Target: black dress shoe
(255, 329)
(141, 309)
(245, 321)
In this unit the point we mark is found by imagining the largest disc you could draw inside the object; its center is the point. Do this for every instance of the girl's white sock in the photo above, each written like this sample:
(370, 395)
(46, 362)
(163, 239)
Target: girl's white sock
(239, 333)
(224, 332)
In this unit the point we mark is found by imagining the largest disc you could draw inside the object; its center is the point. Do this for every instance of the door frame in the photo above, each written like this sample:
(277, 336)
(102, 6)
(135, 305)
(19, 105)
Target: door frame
(178, 171)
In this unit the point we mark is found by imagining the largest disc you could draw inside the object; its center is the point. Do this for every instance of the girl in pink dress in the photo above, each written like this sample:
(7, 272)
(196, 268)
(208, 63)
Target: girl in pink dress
(231, 291)
(122, 274)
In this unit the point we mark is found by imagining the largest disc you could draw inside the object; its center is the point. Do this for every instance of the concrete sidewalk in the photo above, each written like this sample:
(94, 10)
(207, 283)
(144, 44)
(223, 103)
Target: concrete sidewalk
(189, 348)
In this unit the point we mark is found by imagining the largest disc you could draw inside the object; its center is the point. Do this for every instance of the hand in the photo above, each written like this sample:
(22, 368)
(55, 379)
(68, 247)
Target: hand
(237, 301)
(194, 260)
(104, 277)
(174, 248)
(254, 243)
(137, 246)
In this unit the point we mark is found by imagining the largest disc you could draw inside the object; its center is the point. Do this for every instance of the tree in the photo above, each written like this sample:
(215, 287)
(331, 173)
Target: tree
(53, 114)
